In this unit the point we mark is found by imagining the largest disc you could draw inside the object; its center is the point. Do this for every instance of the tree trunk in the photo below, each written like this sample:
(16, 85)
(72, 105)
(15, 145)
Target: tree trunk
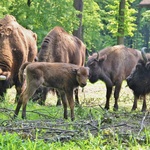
(78, 5)
(29, 3)
(120, 37)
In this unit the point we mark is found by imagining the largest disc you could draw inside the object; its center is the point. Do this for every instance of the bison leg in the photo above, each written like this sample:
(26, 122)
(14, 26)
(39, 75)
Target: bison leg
(116, 95)
(76, 96)
(135, 103)
(71, 103)
(108, 94)
(58, 98)
(144, 104)
(64, 101)
(19, 88)
(43, 96)
(18, 106)
(28, 93)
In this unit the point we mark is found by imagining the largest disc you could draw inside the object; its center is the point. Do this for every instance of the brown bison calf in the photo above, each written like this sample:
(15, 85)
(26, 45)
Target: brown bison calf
(62, 76)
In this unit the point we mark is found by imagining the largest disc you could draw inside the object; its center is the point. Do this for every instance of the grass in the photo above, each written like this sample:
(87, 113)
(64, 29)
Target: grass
(93, 128)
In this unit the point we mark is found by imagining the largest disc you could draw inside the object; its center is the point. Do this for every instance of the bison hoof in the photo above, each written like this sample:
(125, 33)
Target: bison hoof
(115, 109)
(106, 107)
(15, 116)
(24, 117)
(73, 118)
(58, 104)
(133, 108)
(65, 117)
(143, 110)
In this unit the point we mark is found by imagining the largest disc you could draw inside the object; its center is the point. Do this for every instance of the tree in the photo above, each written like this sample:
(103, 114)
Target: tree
(118, 25)
(78, 5)
(121, 18)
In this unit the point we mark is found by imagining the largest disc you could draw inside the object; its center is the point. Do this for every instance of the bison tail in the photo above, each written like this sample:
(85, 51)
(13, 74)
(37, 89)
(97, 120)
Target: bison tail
(22, 72)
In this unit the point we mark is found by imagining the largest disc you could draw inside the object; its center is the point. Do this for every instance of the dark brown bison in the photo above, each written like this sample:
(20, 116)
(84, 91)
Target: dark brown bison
(59, 46)
(17, 45)
(62, 76)
(112, 65)
(139, 80)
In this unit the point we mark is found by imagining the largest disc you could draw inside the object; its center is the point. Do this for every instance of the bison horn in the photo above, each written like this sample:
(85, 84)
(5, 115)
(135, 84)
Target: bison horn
(2, 77)
(143, 54)
(97, 56)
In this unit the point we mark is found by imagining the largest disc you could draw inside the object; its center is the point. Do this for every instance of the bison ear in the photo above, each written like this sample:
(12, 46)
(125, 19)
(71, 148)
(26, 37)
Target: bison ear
(103, 58)
(75, 71)
(8, 30)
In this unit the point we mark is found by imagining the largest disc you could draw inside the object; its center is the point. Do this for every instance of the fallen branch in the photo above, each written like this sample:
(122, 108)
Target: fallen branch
(142, 123)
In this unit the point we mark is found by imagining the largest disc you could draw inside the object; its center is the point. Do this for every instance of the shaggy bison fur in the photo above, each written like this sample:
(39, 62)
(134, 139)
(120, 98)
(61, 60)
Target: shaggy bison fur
(139, 80)
(17, 46)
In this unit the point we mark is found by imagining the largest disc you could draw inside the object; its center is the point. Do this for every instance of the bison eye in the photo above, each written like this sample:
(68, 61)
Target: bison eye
(93, 63)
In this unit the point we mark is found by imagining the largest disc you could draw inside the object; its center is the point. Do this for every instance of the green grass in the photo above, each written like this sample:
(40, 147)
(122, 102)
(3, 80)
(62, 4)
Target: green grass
(93, 128)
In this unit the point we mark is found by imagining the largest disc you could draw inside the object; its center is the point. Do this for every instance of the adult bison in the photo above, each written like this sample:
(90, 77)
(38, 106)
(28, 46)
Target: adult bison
(112, 65)
(139, 80)
(62, 76)
(17, 45)
(59, 46)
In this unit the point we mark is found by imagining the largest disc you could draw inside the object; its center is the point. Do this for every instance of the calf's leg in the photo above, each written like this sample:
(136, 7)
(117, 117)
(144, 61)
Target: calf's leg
(28, 93)
(64, 102)
(69, 95)
(76, 95)
(18, 106)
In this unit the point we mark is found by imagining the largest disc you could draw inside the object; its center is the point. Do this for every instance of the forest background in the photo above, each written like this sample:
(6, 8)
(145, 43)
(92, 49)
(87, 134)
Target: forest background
(97, 23)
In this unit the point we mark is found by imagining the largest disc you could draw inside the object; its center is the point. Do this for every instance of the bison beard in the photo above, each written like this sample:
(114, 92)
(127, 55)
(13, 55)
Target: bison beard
(17, 45)
(62, 76)
(139, 81)
(59, 46)
(112, 65)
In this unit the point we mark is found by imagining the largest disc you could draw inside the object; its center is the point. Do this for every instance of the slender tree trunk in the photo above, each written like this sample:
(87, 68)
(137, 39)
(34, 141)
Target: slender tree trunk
(120, 37)
(29, 3)
(78, 5)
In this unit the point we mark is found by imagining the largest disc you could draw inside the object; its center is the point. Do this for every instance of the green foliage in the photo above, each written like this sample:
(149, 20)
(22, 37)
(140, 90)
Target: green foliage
(100, 19)
(42, 16)
(146, 18)
(129, 24)
(92, 24)
(14, 141)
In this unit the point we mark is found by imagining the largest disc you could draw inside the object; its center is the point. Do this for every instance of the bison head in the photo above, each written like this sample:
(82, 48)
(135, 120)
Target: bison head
(139, 80)
(82, 75)
(97, 65)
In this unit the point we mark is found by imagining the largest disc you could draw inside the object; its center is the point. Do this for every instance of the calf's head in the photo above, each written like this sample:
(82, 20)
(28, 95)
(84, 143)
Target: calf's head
(82, 75)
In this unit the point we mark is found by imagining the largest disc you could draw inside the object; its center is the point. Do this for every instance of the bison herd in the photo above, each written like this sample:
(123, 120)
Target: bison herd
(61, 65)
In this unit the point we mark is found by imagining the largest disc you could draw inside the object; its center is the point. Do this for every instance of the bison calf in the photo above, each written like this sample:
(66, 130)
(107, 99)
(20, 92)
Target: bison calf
(139, 80)
(62, 76)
